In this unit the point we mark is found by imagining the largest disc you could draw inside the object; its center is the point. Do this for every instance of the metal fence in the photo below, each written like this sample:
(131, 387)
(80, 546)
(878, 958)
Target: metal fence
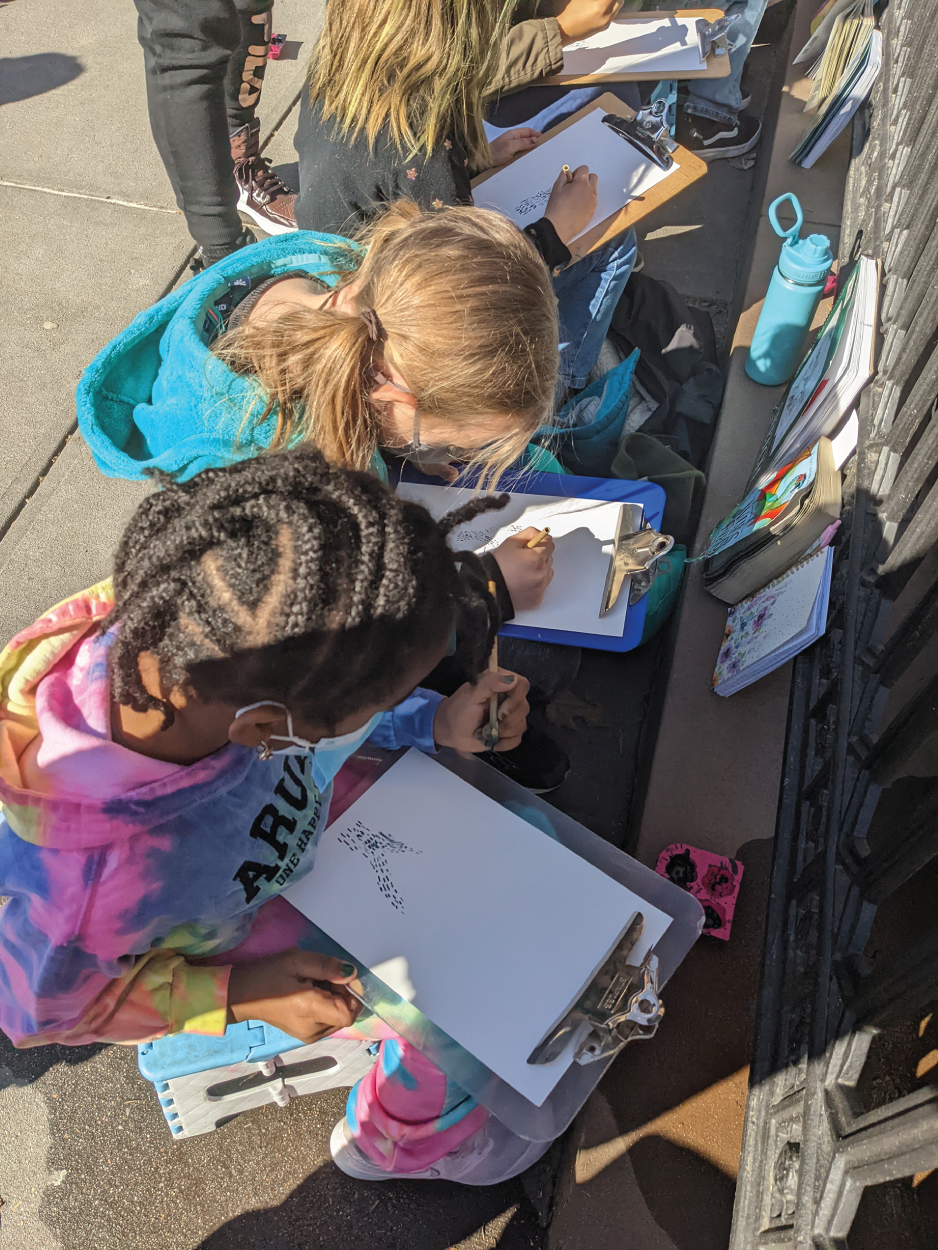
(841, 1128)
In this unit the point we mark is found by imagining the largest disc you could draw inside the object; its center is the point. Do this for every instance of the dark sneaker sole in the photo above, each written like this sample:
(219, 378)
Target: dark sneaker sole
(720, 151)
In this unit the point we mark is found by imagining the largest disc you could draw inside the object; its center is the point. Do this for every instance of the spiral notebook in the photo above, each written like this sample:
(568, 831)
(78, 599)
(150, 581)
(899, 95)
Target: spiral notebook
(772, 626)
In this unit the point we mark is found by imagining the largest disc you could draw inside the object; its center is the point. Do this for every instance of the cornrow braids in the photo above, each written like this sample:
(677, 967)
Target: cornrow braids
(284, 579)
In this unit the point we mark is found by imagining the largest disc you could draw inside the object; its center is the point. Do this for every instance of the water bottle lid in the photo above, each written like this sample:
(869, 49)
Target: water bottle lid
(806, 260)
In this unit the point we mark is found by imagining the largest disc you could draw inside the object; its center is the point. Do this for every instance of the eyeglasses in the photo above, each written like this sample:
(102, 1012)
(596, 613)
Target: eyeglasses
(417, 450)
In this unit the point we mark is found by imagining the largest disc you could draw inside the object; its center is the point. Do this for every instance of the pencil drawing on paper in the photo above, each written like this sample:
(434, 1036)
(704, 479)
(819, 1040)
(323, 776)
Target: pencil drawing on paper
(376, 847)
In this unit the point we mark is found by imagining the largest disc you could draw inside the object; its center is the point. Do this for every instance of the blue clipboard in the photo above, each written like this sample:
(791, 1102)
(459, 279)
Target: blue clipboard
(568, 486)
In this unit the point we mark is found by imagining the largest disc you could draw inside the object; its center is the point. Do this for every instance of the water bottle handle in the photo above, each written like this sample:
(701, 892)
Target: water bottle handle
(792, 232)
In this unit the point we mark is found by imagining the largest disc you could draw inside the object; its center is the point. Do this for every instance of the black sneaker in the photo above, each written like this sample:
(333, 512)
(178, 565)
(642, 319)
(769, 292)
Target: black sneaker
(537, 762)
(206, 256)
(712, 140)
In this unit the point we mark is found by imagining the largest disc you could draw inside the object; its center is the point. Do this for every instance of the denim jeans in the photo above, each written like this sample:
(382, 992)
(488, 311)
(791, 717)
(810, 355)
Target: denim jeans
(587, 294)
(720, 99)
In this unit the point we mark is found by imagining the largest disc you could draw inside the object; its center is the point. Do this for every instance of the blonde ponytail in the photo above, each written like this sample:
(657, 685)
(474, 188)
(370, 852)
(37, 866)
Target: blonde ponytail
(467, 315)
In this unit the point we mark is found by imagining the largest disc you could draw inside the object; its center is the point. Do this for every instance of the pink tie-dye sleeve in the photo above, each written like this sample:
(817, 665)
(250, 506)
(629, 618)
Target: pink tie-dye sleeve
(52, 989)
(161, 994)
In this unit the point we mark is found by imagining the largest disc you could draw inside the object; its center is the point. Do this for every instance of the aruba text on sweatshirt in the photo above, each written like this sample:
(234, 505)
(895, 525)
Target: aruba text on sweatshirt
(118, 867)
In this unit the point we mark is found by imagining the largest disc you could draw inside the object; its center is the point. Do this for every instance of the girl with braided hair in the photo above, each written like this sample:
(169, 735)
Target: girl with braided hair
(168, 745)
(435, 339)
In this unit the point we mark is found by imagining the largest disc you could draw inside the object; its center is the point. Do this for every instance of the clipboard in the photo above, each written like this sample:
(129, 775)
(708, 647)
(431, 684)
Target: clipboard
(689, 168)
(646, 495)
(716, 67)
(538, 1123)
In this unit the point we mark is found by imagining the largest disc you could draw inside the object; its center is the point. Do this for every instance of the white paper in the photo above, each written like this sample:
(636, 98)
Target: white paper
(583, 531)
(844, 443)
(666, 45)
(496, 927)
(521, 190)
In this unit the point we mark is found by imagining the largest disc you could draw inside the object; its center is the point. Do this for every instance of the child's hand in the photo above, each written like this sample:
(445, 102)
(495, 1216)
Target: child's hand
(460, 719)
(513, 142)
(572, 204)
(579, 19)
(527, 573)
(297, 991)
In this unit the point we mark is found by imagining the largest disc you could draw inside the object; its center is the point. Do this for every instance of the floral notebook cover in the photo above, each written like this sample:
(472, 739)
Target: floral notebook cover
(768, 628)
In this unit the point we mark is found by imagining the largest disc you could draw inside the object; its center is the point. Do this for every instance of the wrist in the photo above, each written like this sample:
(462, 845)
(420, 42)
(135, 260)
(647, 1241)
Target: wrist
(440, 732)
(561, 231)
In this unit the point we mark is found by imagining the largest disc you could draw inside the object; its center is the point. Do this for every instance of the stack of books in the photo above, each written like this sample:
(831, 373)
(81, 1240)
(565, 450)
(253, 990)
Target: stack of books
(831, 376)
(845, 72)
(771, 556)
(774, 526)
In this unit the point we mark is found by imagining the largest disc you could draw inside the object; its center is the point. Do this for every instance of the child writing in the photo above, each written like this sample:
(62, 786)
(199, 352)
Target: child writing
(394, 108)
(306, 339)
(167, 752)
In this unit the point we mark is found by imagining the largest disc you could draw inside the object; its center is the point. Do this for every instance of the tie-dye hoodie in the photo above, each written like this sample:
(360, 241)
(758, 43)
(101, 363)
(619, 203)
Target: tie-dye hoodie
(118, 867)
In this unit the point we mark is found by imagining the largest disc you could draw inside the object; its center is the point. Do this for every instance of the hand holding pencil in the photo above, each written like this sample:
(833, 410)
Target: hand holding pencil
(572, 202)
(527, 570)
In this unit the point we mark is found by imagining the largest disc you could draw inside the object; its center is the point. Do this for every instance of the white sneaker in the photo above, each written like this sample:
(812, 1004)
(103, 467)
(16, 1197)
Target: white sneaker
(491, 1155)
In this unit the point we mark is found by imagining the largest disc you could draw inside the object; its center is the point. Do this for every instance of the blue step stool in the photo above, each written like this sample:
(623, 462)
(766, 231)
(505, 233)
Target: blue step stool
(202, 1082)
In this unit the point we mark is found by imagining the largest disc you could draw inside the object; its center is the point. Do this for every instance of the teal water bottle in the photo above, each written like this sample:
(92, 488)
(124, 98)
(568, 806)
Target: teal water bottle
(791, 300)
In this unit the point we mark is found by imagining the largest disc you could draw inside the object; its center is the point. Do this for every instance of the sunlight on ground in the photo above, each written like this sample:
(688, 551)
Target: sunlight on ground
(710, 1124)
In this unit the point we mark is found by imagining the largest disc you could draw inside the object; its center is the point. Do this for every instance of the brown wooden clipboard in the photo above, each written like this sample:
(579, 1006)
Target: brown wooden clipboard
(717, 66)
(688, 169)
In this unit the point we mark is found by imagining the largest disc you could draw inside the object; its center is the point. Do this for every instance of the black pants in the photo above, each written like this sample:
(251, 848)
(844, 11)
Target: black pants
(205, 62)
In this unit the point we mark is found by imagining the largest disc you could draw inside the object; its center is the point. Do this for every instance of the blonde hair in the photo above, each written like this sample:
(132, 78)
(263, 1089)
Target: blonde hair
(467, 315)
(417, 66)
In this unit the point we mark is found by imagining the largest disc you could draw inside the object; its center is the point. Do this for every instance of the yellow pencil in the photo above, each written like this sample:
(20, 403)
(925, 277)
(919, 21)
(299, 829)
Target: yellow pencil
(566, 170)
(538, 538)
(492, 736)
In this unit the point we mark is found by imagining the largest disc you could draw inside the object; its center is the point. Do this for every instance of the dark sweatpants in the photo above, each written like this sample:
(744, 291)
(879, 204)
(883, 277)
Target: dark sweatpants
(205, 62)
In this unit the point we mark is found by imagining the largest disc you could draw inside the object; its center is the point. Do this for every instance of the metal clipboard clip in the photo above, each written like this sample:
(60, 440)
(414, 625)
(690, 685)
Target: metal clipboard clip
(619, 1005)
(711, 36)
(634, 555)
(648, 131)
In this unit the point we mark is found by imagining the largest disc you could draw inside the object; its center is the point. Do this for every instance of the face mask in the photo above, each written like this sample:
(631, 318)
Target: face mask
(342, 746)
(424, 455)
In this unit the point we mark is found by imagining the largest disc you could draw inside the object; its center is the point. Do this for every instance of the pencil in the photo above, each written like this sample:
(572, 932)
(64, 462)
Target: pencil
(566, 170)
(537, 539)
(492, 737)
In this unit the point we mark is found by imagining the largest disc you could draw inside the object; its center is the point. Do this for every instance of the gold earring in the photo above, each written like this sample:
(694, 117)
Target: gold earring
(264, 752)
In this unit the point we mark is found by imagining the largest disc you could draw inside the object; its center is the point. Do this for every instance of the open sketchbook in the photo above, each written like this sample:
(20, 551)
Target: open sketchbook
(772, 626)
(832, 374)
(521, 189)
(664, 45)
(482, 922)
(583, 531)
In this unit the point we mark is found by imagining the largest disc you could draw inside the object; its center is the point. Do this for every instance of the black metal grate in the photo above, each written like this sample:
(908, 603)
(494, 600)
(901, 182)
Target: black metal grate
(838, 1100)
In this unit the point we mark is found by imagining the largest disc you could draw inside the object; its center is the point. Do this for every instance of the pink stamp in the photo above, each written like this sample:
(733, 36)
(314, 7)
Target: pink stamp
(712, 879)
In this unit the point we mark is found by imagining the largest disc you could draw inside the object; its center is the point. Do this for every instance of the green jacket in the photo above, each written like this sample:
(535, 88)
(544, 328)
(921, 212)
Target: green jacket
(531, 51)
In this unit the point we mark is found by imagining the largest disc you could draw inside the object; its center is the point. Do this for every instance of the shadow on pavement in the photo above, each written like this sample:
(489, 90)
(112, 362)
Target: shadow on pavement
(22, 1067)
(330, 1211)
(22, 77)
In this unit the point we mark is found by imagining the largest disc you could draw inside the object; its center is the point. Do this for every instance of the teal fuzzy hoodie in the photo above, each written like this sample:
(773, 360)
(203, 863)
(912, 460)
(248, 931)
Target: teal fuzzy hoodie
(157, 398)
